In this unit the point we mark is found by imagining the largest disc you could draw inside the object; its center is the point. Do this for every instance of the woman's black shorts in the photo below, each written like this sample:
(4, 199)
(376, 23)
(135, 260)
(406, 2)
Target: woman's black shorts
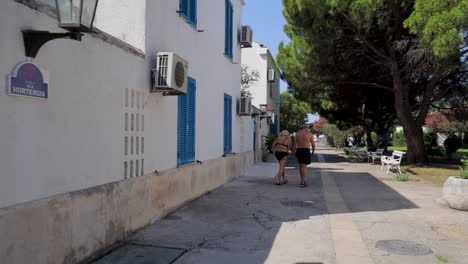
(280, 155)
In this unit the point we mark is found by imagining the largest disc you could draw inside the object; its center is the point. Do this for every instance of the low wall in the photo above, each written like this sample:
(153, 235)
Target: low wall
(71, 227)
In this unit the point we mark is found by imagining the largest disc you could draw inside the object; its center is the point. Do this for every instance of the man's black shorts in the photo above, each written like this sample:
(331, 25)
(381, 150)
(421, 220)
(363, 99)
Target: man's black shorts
(303, 155)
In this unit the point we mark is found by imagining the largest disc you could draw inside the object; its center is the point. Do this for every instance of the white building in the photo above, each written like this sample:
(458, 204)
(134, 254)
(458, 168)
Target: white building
(266, 91)
(102, 156)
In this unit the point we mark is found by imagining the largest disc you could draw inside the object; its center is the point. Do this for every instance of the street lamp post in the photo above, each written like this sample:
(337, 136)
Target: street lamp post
(76, 16)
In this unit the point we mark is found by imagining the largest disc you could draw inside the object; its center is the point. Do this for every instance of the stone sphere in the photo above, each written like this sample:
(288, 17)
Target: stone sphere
(455, 193)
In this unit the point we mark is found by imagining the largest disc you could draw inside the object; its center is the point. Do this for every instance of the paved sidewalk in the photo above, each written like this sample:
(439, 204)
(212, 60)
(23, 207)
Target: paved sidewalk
(349, 213)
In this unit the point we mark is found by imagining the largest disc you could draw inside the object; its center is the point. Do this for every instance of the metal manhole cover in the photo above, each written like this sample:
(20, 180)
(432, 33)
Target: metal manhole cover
(302, 204)
(402, 247)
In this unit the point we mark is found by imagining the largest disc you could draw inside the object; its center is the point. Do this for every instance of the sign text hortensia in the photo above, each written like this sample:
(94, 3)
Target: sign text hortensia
(27, 80)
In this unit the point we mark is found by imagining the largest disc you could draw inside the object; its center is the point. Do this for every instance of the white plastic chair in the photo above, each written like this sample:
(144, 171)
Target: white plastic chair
(393, 161)
(374, 155)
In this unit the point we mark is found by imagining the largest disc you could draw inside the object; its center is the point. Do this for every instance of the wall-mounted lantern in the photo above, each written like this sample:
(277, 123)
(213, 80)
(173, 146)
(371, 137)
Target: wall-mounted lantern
(76, 16)
(263, 108)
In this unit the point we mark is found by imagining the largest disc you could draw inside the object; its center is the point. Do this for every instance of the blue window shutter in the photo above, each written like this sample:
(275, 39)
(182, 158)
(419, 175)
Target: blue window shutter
(186, 125)
(183, 7)
(227, 124)
(182, 130)
(230, 125)
(188, 9)
(228, 24)
(224, 125)
(226, 28)
(193, 12)
(230, 29)
(191, 119)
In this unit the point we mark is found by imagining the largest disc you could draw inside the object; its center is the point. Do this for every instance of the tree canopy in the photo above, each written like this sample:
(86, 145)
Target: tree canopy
(346, 54)
(293, 112)
(441, 25)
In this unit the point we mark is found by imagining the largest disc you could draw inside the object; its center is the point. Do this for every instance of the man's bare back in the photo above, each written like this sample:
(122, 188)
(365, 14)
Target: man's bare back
(305, 139)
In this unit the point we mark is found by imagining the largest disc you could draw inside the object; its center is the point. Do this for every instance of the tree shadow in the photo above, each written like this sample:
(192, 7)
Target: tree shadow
(249, 219)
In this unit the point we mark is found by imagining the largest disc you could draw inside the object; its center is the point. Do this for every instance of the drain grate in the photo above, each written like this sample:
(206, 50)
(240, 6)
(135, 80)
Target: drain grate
(302, 204)
(402, 247)
(142, 254)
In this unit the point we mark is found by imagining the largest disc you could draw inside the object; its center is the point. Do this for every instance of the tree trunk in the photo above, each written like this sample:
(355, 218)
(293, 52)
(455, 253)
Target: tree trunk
(412, 129)
(369, 142)
(382, 139)
(415, 143)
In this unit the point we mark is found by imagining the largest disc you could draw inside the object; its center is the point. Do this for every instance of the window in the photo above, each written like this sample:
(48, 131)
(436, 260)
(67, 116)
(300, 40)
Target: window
(186, 125)
(188, 10)
(228, 29)
(227, 124)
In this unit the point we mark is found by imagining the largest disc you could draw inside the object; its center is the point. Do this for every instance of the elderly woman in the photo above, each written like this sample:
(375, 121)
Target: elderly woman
(281, 147)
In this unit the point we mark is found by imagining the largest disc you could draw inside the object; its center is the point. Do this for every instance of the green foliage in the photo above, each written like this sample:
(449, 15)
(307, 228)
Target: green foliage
(430, 145)
(403, 177)
(442, 259)
(374, 136)
(269, 139)
(434, 151)
(336, 138)
(293, 112)
(440, 25)
(399, 139)
(451, 145)
(464, 168)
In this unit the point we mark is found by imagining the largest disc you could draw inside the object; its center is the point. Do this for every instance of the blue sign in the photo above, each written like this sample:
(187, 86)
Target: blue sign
(27, 80)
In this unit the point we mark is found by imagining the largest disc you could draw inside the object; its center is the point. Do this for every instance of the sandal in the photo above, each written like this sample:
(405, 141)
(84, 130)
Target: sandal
(285, 181)
(278, 183)
(303, 184)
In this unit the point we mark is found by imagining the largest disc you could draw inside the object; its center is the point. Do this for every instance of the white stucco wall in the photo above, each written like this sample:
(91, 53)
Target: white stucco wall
(214, 73)
(255, 58)
(75, 138)
(258, 58)
(123, 19)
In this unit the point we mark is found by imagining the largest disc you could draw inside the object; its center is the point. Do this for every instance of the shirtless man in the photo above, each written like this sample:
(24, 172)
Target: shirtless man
(304, 139)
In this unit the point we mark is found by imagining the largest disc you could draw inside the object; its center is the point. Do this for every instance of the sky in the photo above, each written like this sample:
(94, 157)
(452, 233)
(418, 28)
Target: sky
(266, 19)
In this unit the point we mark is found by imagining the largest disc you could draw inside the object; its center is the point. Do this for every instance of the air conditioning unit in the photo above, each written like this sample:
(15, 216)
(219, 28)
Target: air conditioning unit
(245, 104)
(246, 37)
(170, 75)
(271, 75)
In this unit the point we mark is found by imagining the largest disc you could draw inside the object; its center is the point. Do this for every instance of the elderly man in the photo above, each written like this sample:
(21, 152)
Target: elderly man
(304, 140)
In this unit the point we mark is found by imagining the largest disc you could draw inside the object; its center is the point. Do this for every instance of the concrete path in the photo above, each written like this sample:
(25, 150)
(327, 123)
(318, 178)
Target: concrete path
(349, 213)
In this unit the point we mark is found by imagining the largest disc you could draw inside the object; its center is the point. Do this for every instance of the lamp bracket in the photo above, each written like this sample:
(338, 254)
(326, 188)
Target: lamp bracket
(34, 39)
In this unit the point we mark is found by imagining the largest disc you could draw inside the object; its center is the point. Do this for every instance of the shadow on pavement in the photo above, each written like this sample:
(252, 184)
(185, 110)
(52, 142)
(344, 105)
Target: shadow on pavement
(250, 219)
(363, 192)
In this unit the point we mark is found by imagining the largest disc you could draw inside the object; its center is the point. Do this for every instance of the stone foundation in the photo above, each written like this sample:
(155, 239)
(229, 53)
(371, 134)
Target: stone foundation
(72, 227)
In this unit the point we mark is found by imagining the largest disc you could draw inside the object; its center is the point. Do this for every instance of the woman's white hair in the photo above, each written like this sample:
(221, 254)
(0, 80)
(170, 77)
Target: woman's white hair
(284, 133)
